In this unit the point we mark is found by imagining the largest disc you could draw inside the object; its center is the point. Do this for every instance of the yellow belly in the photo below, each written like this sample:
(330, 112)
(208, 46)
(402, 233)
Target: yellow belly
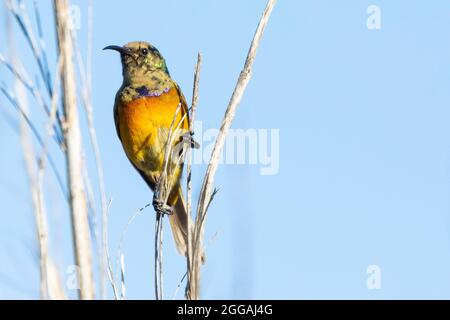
(144, 125)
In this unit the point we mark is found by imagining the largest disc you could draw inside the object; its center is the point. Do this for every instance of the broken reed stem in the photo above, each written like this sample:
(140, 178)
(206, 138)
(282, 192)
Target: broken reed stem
(189, 172)
(72, 136)
(207, 190)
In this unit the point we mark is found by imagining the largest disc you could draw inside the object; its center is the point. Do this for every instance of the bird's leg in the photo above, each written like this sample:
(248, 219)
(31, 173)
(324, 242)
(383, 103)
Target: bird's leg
(160, 206)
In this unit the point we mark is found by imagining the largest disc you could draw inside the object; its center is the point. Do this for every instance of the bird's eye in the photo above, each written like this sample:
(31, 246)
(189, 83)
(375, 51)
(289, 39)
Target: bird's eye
(144, 51)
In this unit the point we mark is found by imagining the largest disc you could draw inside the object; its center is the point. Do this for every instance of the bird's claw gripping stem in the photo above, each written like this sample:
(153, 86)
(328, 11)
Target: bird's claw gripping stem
(161, 207)
(188, 138)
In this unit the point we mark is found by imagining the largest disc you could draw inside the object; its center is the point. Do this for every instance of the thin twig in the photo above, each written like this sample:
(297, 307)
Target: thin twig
(125, 230)
(188, 168)
(95, 146)
(54, 293)
(108, 260)
(159, 290)
(22, 76)
(36, 195)
(50, 284)
(42, 43)
(20, 14)
(52, 116)
(179, 286)
(122, 277)
(13, 101)
(87, 104)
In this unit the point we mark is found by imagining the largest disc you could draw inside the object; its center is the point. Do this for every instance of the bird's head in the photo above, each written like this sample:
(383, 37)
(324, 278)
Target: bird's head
(140, 62)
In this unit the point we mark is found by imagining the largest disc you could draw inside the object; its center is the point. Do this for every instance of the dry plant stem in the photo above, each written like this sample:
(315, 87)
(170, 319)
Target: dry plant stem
(94, 143)
(120, 255)
(35, 132)
(161, 195)
(40, 214)
(50, 282)
(179, 286)
(39, 210)
(207, 190)
(108, 260)
(41, 40)
(31, 87)
(72, 136)
(188, 169)
(37, 199)
(159, 291)
(21, 16)
(122, 278)
(87, 103)
(54, 285)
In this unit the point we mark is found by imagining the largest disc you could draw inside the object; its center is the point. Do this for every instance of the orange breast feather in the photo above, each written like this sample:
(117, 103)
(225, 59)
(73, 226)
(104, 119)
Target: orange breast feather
(144, 125)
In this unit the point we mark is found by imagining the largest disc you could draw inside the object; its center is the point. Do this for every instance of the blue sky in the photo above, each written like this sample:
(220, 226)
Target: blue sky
(364, 163)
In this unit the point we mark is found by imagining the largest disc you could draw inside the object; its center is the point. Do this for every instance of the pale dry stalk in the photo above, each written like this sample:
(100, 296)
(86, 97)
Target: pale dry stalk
(72, 137)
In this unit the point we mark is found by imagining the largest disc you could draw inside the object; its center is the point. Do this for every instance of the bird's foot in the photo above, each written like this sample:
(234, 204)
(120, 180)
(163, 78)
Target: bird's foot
(162, 207)
(188, 138)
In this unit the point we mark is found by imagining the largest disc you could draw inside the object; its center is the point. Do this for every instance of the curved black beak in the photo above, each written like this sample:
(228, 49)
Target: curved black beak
(121, 50)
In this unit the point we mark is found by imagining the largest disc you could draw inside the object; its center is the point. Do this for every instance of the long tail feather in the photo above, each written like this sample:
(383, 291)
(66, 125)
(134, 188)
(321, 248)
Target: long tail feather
(179, 224)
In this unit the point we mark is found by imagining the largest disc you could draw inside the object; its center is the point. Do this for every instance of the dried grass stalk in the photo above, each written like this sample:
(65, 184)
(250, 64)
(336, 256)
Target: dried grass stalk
(207, 191)
(72, 137)
(189, 172)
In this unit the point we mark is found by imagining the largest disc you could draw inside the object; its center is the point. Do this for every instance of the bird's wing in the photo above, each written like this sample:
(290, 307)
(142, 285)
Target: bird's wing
(185, 110)
(184, 107)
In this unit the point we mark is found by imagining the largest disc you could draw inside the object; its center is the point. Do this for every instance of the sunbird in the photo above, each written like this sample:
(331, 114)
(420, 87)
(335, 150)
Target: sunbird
(144, 111)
